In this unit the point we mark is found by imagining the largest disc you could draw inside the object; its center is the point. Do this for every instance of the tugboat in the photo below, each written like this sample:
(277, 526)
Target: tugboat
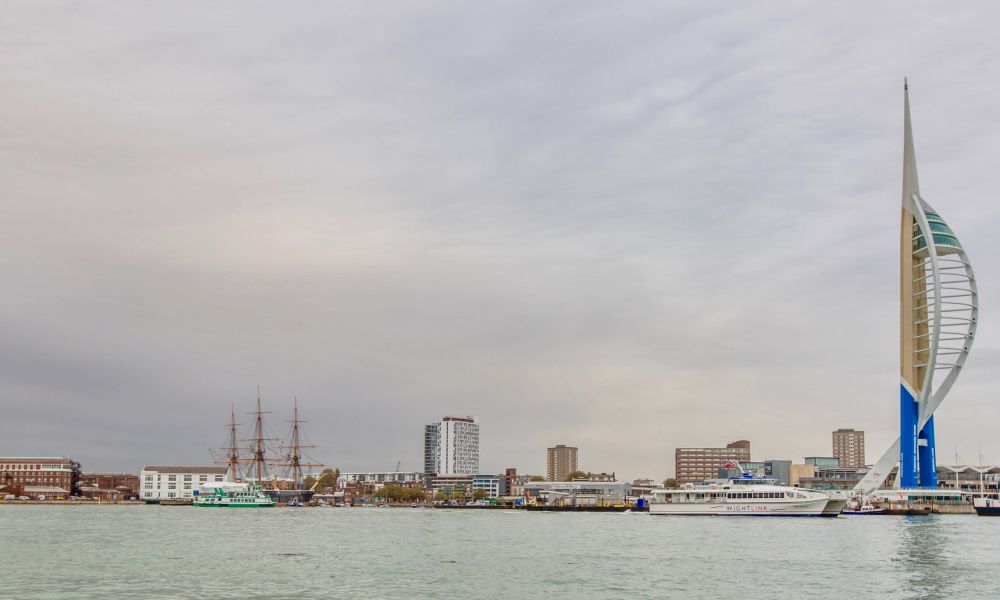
(986, 507)
(863, 507)
(233, 495)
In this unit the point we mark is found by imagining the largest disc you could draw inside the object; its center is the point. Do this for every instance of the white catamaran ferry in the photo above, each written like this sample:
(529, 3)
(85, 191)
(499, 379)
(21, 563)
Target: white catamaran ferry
(232, 495)
(744, 496)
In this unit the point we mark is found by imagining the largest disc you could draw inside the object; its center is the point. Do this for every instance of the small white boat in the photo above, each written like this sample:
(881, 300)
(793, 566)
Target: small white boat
(865, 507)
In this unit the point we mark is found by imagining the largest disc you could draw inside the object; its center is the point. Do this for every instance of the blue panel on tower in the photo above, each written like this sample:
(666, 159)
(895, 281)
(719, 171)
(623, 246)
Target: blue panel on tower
(908, 415)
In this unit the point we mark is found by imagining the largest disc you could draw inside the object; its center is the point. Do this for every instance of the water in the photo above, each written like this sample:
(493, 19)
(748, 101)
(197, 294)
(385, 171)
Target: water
(173, 552)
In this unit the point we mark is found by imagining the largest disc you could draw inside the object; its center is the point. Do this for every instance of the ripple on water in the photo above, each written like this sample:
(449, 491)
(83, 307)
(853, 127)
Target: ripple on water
(168, 552)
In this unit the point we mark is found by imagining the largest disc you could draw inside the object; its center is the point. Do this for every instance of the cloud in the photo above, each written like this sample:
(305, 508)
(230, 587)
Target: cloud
(623, 230)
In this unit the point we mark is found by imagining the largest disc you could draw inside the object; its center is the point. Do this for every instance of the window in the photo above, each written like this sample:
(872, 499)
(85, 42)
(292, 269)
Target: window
(218, 477)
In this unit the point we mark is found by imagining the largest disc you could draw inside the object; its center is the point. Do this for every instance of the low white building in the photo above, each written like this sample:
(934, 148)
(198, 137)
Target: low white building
(579, 493)
(159, 483)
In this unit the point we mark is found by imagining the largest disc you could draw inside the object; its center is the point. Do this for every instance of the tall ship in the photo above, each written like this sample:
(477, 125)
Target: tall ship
(744, 495)
(269, 465)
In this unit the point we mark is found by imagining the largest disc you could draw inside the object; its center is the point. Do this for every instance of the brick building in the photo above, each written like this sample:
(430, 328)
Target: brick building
(17, 473)
(694, 465)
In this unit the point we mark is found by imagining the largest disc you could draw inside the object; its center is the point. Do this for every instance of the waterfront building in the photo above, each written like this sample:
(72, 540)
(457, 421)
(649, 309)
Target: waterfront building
(57, 473)
(378, 479)
(938, 310)
(451, 446)
(849, 447)
(822, 462)
(694, 465)
(494, 485)
(796, 473)
(643, 487)
(970, 480)
(778, 470)
(160, 483)
(833, 478)
(109, 486)
(560, 461)
(578, 493)
(450, 484)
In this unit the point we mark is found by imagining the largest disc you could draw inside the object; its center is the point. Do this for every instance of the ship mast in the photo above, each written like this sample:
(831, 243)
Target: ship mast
(259, 448)
(233, 451)
(296, 446)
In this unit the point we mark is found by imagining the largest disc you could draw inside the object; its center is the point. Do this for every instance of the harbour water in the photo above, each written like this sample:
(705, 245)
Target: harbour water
(183, 552)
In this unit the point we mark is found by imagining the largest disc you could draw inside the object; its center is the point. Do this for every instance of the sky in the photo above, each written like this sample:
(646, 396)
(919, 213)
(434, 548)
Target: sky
(627, 228)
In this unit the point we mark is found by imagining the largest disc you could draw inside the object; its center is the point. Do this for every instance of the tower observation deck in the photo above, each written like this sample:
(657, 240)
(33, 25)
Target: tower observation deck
(938, 314)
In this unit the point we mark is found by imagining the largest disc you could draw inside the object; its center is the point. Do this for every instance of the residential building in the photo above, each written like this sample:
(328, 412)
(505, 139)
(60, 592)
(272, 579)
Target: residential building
(56, 473)
(432, 456)
(451, 447)
(160, 483)
(778, 470)
(560, 461)
(510, 474)
(694, 465)
(849, 447)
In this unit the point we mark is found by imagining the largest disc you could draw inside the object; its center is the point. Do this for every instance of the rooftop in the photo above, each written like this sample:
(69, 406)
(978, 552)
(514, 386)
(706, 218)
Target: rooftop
(188, 470)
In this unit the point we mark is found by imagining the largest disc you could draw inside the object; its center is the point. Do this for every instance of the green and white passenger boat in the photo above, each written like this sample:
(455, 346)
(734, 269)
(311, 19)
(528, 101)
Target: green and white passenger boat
(234, 495)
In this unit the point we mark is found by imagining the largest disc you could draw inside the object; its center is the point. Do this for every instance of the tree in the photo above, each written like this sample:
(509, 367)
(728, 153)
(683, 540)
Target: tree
(457, 495)
(309, 482)
(670, 483)
(577, 475)
(536, 478)
(328, 478)
(440, 496)
(479, 494)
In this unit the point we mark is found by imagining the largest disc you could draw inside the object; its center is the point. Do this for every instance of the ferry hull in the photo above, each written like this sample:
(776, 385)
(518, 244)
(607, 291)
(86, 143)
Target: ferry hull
(986, 507)
(807, 508)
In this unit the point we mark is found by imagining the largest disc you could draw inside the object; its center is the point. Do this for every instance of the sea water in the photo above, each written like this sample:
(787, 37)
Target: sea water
(138, 551)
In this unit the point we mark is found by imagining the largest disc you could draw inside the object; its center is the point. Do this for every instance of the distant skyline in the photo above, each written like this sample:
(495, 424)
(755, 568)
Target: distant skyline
(628, 229)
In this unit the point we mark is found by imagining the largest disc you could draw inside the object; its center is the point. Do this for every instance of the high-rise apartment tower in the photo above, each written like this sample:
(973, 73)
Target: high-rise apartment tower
(451, 447)
(560, 461)
(849, 447)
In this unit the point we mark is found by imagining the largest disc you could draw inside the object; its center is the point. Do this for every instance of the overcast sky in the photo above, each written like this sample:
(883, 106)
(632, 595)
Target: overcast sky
(622, 227)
